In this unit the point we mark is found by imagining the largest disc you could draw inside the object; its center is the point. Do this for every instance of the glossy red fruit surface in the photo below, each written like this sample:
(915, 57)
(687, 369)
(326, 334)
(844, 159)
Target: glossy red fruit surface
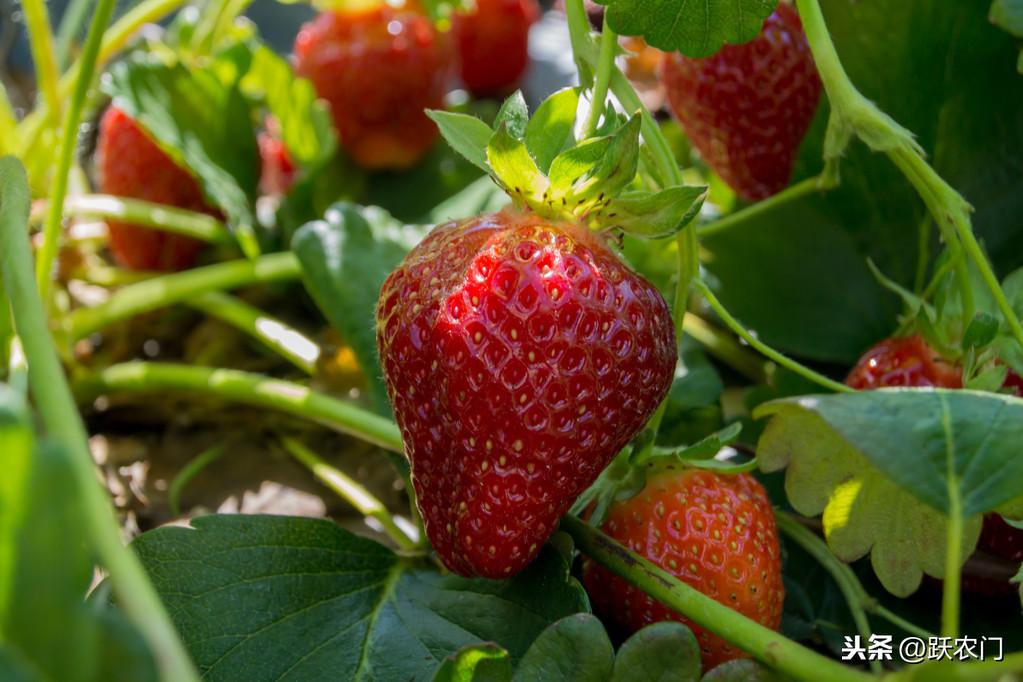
(131, 165)
(520, 356)
(493, 44)
(747, 108)
(713, 531)
(1002, 542)
(378, 68)
(906, 361)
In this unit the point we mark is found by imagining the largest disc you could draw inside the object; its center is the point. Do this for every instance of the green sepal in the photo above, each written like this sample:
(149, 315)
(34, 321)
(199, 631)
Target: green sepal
(514, 114)
(551, 130)
(515, 169)
(654, 214)
(466, 134)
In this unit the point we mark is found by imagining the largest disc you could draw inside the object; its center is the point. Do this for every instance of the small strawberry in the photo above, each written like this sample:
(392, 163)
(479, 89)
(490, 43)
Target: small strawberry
(378, 67)
(278, 171)
(747, 107)
(131, 165)
(493, 44)
(715, 532)
(520, 355)
(906, 361)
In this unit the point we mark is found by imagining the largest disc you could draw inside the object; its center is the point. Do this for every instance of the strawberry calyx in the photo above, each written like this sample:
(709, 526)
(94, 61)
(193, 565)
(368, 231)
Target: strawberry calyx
(593, 181)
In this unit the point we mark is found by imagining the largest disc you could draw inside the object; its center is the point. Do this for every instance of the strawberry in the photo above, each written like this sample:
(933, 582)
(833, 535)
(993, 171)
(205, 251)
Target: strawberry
(378, 67)
(278, 171)
(131, 165)
(713, 531)
(906, 361)
(999, 541)
(520, 355)
(493, 44)
(747, 107)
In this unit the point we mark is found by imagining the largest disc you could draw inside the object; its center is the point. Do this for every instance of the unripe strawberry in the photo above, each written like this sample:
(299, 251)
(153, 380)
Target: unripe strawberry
(520, 356)
(131, 165)
(747, 108)
(378, 67)
(715, 532)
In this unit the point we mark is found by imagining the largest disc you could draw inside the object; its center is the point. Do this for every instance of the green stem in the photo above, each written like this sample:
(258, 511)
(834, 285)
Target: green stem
(288, 342)
(37, 21)
(764, 349)
(763, 643)
(68, 141)
(845, 578)
(8, 124)
(147, 214)
(64, 426)
(6, 331)
(350, 491)
(179, 287)
(852, 114)
(724, 347)
(188, 473)
(114, 40)
(605, 65)
(70, 24)
(953, 551)
(246, 388)
(749, 214)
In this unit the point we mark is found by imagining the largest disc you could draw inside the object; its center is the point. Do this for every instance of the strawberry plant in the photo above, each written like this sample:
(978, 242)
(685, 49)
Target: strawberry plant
(390, 371)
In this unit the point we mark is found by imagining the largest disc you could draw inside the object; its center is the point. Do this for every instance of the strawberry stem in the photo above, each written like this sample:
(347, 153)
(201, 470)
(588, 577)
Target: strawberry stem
(749, 214)
(350, 491)
(158, 292)
(281, 338)
(763, 643)
(64, 426)
(245, 388)
(605, 64)
(68, 141)
(155, 216)
(853, 114)
(37, 21)
(764, 349)
(189, 472)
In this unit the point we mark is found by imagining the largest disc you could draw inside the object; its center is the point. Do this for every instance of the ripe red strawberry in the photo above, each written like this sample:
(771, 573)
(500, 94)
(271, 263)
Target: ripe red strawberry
(493, 44)
(715, 532)
(132, 165)
(278, 171)
(747, 107)
(1002, 542)
(520, 356)
(906, 361)
(378, 68)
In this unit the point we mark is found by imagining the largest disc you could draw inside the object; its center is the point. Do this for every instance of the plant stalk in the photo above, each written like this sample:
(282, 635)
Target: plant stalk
(350, 491)
(747, 215)
(63, 424)
(158, 292)
(40, 33)
(605, 65)
(68, 142)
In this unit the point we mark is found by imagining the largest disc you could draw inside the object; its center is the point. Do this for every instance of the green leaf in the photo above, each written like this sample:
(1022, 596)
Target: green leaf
(43, 608)
(662, 652)
(864, 510)
(268, 598)
(513, 114)
(476, 663)
(306, 125)
(345, 259)
(705, 448)
(653, 215)
(200, 118)
(928, 440)
(697, 29)
(574, 649)
(742, 670)
(981, 330)
(467, 135)
(515, 168)
(551, 130)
